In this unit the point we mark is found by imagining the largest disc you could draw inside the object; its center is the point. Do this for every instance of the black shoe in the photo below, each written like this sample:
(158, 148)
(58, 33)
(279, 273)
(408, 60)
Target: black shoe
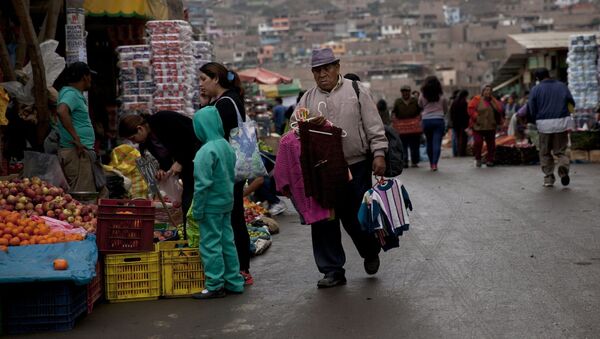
(563, 172)
(206, 294)
(372, 265)
(414, 165)
(331, 281)
(489, 164)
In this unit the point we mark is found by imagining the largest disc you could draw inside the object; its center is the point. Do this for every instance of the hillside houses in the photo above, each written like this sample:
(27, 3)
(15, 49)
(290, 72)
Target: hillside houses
(387, 41)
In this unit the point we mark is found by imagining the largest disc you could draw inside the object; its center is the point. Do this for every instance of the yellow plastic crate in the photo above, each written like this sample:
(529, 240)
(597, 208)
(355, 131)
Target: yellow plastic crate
(181, 269)
(132, 276)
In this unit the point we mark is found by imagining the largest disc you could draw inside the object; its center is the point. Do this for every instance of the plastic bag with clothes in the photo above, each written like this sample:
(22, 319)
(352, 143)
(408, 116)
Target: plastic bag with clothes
(243, 139)
(192, 229)
(46, 167)
(123, 159)
(54, 64)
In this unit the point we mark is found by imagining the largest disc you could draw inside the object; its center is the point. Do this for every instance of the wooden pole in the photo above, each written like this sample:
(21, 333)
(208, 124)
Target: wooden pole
(40, 92)
(7, 71)
(22, 43)
(48, 30)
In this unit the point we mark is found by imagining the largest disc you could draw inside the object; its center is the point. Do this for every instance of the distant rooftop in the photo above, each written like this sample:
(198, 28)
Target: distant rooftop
(546, 40)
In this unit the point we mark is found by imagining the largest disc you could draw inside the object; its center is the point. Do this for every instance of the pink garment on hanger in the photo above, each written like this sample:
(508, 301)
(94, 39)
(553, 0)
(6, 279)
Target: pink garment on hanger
(288, 177)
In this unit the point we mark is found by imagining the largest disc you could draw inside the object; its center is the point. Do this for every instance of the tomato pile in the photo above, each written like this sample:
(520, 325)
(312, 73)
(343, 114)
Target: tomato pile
(252, 211)
(19, 230)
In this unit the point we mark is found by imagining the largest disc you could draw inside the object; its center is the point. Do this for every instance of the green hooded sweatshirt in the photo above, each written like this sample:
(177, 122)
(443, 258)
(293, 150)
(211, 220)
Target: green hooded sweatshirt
(214, 166)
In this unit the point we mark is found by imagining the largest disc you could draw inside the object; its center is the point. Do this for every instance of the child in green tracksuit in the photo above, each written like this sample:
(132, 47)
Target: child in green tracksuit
(214, 167)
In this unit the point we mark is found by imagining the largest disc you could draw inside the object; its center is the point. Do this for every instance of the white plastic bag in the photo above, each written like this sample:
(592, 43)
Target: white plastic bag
(171, 189)
(54, 64)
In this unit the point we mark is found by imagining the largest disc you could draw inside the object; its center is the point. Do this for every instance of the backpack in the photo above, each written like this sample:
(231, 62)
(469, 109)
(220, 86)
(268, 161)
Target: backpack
(394, 156)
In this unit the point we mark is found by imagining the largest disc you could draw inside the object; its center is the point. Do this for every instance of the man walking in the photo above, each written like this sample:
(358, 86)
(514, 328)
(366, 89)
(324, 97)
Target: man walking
(407, 122)
(548, 108)
(336, 98)
(76, 147)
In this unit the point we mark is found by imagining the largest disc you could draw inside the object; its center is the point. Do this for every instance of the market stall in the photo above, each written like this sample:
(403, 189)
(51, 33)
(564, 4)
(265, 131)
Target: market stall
(59, 256)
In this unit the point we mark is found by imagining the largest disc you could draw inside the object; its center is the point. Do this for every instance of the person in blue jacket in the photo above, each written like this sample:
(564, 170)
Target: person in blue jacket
(214, 166)
(548, 108)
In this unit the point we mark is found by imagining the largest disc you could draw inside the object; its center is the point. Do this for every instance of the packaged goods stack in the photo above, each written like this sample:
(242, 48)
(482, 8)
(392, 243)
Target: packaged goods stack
(203, 53)
(583, 76)
(172, 59)
(135, 77)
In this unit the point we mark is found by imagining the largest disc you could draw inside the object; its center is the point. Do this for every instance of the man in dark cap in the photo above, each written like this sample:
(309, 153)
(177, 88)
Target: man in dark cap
(549, 109)
(76, 147)
(336, 99)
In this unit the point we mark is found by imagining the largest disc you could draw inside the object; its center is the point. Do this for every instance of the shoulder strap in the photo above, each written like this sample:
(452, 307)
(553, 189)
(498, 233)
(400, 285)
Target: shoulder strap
(357, 90)
(239, 116)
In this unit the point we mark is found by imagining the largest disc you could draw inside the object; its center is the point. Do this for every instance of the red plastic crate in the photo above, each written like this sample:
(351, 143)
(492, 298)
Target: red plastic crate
(125, 226)
(95, 288)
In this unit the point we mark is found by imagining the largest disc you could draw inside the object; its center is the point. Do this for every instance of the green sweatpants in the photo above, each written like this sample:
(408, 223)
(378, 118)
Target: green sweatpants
(219, 255)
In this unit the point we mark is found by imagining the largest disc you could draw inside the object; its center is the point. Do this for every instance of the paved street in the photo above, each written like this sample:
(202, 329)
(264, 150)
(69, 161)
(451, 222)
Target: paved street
(490, 254)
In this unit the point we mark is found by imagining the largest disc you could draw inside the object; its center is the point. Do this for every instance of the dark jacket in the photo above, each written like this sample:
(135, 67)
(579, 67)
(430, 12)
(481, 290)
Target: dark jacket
(227, 110)
(459, 116)
(176, 133)
(408, 110)
(548, 106)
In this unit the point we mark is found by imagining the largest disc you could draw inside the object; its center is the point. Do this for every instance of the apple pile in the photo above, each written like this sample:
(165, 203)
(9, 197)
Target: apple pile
(36, 197)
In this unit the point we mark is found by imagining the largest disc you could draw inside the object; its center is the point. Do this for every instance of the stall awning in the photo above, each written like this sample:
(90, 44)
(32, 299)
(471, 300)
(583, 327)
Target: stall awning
(281, 90)
(263, 76)
(150, 9)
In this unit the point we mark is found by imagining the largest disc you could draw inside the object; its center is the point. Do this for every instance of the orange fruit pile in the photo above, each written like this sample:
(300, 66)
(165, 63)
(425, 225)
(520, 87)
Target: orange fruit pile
(16, 230)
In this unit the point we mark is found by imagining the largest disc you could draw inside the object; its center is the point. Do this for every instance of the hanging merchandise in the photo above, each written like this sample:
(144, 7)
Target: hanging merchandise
(172, 59)
(289, 180)
(582, 60)
(384, 212)
(324, 167)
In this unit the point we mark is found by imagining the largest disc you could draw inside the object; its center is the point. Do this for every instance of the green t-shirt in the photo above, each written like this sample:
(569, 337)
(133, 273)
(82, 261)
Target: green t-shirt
(80, 118)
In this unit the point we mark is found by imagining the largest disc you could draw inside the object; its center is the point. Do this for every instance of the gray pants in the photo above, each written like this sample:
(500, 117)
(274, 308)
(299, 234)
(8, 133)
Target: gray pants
(554, 145)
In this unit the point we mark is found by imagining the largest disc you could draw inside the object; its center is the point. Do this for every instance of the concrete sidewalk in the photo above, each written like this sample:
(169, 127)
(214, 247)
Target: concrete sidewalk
(490, 254)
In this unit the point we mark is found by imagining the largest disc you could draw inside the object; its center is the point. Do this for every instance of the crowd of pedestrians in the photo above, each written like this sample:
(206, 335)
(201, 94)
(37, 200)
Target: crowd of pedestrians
(199, 152)
(423, 118)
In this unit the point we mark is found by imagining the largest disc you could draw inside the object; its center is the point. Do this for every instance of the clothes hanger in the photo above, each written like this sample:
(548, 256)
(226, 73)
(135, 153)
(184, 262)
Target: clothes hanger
(379, 181)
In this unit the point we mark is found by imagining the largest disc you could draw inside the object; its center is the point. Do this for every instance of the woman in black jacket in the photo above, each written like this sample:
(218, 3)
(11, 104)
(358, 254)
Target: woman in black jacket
(459, 117)
(225, 89)
(170, 138)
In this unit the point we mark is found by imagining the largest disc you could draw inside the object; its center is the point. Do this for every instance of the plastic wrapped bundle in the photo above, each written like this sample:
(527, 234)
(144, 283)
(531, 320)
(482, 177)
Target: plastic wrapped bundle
(583, 70)
(135, 78)
(172, 59)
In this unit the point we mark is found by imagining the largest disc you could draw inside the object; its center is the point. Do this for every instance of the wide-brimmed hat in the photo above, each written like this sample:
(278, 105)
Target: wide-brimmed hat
(322, 57)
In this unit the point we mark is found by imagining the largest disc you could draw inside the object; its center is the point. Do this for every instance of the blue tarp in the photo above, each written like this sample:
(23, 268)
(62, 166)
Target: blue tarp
(36, 262)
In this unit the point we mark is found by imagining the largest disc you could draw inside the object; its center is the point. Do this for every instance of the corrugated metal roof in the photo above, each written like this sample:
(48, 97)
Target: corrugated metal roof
(546, 40)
